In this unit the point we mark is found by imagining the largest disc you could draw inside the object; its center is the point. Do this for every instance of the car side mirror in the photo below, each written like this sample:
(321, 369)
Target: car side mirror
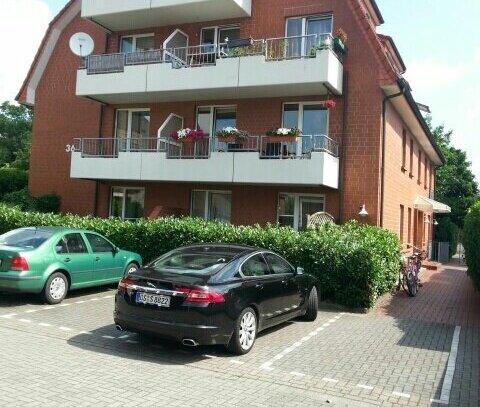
(58, 249)
(116, 249)
(300, 271)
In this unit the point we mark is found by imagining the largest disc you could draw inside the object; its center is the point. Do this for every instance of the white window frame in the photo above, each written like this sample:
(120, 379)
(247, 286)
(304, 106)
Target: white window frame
(217, 29)
(297, 207)
(301, 106)
(124, 191)
(213, 109)
(134, 42)
(208, 193)
(129, 124)
(304, 25)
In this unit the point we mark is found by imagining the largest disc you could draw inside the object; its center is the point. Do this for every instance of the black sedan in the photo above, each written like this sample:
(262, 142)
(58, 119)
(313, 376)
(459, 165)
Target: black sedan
(214, 294)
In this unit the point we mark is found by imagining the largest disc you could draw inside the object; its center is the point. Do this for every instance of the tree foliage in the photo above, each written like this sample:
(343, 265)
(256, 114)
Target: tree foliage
(455, 183)
(15, 135)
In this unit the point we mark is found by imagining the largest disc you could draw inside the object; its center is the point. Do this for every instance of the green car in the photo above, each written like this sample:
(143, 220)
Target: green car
(51, 261)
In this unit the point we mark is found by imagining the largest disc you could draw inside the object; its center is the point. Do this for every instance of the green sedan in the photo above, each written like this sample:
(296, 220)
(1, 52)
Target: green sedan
(51, 261)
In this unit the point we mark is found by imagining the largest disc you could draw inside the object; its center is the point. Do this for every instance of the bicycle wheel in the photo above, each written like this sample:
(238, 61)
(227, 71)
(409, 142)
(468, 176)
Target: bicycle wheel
(412, 283)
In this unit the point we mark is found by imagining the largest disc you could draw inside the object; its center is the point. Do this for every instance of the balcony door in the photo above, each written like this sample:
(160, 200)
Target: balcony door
(305, 32)
(137, 43)
(294, 209)
(132, 129)
(311, 118)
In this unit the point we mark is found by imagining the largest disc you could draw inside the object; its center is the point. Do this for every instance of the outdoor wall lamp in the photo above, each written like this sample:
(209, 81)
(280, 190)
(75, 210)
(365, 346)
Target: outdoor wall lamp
(363, 211)
(425, 219)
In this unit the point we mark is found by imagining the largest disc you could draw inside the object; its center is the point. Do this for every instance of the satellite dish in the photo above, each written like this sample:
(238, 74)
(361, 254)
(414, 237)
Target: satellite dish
(81, 44)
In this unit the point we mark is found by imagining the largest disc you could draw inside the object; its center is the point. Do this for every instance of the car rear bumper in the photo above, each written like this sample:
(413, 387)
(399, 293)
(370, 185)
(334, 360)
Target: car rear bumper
(217, 331)
(13, 282)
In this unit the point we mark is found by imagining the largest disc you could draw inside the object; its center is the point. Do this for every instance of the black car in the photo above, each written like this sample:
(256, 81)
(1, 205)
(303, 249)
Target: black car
(214, 294)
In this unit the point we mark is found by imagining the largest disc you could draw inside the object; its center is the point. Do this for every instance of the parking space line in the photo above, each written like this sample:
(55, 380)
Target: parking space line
(9, 316)
(237, 362)
(31, 311)
(108, 337)
(26, 321)
(450, 372)
(132, 342)
(398, 394)
(64, 328)
(298, 374)
(268, 364)
(327, 379)
(44, 324)
(85, 333)
(124, 337)
(364, 386)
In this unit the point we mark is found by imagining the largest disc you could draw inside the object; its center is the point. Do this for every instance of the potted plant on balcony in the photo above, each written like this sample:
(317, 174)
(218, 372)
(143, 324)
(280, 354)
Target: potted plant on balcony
(283, 135)
(231, 135)
(188, 135)
(339, 41)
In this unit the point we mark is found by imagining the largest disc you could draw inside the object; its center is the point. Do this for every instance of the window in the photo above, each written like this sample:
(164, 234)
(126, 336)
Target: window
(425, 176)
(212, 119)
(311, 118)
(409, 220)
(277, 264)
(218, 35)
(132, 129)
(99, 244)
(72, 243)
(404, 151)
(293, 209)
(137, 43)
(419, 180)
(212, 205)
(315, 27)
(127, 203)
(27, 238)
(411, 158)
(402, 220)
(255, 266)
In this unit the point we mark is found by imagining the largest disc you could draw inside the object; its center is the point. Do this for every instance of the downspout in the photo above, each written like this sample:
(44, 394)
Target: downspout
(343, 149)
(384, 136)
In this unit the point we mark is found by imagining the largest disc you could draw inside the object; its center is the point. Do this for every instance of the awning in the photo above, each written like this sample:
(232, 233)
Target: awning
(425, 204)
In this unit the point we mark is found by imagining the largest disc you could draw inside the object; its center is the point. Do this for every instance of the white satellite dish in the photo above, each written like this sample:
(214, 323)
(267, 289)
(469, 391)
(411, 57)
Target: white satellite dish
(81, 44)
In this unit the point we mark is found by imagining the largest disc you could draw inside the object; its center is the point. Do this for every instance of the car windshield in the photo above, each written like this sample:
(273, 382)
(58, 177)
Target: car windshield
(25, 238)
(203, 263)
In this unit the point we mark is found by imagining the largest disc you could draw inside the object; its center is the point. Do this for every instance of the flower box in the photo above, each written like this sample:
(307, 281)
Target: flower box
(188, 135)
(282, 139)
(229, 139)
(339, 46)
(283, 135)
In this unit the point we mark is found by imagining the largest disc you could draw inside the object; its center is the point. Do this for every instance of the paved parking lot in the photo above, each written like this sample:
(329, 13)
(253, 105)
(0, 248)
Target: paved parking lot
(406, 352)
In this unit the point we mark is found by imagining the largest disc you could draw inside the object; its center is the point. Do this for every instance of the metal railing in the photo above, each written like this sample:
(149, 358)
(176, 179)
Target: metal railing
(305, 46)
(268, 147)
(274, 49)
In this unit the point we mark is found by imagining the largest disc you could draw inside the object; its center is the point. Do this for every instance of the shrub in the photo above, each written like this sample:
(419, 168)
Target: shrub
(24, 201)
(355, 264)
(471, 242)
(11, 180)
(47, 203)
(447, 231)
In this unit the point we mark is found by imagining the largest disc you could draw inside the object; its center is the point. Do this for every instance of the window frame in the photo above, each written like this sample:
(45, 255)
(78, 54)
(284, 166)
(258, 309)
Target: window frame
(208, 193)
(281, 258)
(402, 222)
(305, 18)
(124, 191)
(213, 114)
(419, 169)
(411, 157)
(297, 206)
(217, 29)
(68, 253)
(112, 246)
(245, 277)
(404, 150)
(129, 123)
(134, 42)
(301, 106)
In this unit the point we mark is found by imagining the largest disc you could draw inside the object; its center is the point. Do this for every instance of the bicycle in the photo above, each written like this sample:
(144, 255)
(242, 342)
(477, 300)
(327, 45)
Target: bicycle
(409, 272)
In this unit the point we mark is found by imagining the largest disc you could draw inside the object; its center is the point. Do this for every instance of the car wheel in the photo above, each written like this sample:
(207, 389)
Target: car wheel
(131, 268)
(245, 333)
(312, 305)
(56, 288)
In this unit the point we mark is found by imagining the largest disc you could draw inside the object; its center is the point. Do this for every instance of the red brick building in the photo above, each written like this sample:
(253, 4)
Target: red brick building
(103, 124)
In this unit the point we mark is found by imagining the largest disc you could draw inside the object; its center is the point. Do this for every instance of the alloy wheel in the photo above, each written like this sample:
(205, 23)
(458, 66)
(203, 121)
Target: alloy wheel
(248, 330)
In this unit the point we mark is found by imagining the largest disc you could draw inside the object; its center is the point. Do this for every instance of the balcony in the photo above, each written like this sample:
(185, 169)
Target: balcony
(310, 161)
(119, 15)
(280, 67)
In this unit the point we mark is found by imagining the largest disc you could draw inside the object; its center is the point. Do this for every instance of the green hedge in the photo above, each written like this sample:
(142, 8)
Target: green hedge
(447, 231)
(471, 242)
(12, 179)
(355, 264)
(24, 201)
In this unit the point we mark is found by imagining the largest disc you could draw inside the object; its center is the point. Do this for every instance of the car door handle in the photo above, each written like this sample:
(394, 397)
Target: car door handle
(97, 258)
(68, 260)
(285, 282)
(259, 286)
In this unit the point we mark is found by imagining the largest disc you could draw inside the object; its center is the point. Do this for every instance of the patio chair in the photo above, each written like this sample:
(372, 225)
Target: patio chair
(319, 219)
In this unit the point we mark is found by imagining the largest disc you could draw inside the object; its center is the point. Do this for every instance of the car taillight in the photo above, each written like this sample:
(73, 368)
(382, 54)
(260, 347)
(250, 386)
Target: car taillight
(200, 296)
(124, 284)
(19, 264)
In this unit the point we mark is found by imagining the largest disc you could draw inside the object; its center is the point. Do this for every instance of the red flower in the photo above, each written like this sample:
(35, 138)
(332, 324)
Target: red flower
(330, 103)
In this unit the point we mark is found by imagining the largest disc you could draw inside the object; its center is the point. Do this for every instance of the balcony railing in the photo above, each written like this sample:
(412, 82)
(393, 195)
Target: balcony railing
(274, 49)
(266, 147)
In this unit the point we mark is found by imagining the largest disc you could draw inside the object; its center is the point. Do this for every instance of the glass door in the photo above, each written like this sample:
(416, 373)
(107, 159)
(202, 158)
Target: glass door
(132, 130)
(309, 206)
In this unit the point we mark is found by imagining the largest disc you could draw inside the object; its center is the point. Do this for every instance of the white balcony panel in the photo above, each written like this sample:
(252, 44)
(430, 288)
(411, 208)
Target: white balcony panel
(230, 78)
(237, 168)
(118, 15)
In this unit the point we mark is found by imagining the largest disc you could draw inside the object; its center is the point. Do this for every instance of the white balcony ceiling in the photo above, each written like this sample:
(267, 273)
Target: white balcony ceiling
(119, 15)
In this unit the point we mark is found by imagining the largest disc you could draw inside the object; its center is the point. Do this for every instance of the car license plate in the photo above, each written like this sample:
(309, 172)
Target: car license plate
(153, 299)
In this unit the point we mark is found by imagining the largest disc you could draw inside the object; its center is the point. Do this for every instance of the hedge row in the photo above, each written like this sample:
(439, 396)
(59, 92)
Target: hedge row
(471, 243)
(355, 264)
